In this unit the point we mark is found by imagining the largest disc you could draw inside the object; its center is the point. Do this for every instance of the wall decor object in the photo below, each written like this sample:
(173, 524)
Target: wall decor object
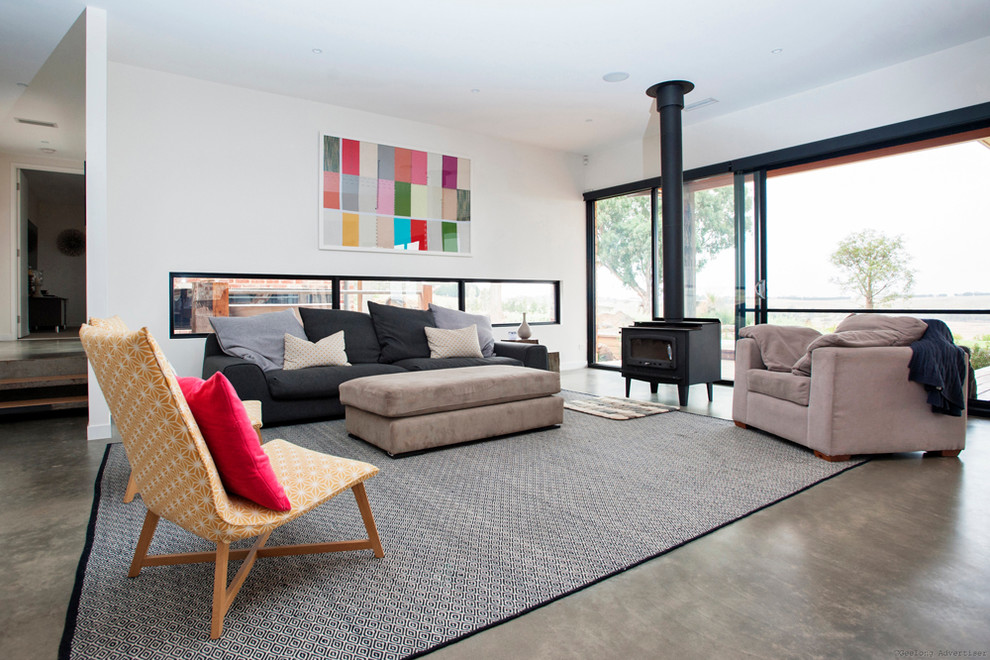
(375, 197)
(71, 242)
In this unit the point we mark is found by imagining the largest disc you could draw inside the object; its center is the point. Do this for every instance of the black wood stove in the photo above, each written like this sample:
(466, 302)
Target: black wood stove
(681, 353)
(673, 349)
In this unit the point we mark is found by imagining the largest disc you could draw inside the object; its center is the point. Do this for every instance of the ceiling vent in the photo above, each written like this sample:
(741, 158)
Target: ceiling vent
(700, 104)
(36, 122)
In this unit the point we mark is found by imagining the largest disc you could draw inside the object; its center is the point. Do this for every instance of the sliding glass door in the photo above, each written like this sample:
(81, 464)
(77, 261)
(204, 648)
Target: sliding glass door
(897, 233)
(623, 284)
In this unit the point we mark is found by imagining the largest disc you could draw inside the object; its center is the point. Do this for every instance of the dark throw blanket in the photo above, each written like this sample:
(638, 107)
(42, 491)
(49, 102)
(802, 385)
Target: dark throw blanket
(942, 367)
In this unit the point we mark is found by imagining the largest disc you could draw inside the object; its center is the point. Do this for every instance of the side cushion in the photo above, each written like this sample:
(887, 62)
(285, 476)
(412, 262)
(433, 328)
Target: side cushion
(243, 466)
(400, 331)
(360, 341)
(259, 339)
(455, 319)
(319, 382)
(430, 364)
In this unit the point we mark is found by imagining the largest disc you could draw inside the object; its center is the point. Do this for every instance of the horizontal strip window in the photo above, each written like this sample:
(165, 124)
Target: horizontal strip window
(195, 297)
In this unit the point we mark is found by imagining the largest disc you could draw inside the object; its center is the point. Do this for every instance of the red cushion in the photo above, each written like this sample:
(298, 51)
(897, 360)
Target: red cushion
(244, 468)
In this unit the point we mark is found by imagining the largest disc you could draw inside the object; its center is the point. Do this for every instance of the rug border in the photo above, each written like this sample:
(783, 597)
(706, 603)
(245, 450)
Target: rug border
(68, 632)
(72, 612)
(619, 571)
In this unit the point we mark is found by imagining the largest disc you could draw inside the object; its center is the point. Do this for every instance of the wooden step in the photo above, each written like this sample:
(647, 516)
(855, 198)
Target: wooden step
(49, 365)
(42, 381)
(38, 405)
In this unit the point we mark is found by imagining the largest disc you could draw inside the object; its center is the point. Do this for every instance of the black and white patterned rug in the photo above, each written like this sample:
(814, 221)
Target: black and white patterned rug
(473, 535)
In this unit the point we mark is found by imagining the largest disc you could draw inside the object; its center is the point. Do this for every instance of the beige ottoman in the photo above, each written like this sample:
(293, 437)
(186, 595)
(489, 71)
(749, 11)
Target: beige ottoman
(423, 409)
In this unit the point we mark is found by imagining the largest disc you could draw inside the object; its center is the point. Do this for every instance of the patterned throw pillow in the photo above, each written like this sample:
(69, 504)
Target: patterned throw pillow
(328, 352)
(453, 343)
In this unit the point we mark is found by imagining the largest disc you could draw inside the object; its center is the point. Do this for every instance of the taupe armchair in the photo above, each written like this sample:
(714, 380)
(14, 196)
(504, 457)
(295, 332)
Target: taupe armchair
(856, 401)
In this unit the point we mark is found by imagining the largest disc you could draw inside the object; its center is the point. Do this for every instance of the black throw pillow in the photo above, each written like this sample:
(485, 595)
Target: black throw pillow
(400, 331)
(360, 340)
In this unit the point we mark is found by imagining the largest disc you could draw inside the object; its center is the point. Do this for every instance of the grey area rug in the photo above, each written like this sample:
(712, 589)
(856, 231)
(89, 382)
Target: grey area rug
(473, 535)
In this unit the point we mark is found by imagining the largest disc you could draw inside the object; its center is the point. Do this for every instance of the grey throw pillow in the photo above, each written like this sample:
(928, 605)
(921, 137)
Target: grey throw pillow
(455, 319)
(259, 339)
(780, 345)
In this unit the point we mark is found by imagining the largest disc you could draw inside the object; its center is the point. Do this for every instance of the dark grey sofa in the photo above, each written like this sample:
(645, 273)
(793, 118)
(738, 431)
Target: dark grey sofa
(310, 394)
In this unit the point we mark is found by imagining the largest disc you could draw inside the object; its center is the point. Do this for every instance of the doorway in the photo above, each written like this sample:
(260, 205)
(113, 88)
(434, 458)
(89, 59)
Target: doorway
(51, 287)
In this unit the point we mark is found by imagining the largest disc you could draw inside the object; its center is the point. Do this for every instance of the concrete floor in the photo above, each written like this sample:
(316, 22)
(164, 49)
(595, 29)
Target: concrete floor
(886, 560)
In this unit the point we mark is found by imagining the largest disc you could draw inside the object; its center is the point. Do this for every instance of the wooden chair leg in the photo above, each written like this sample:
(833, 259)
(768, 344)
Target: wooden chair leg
(837, 458)
(223, 595)
(144, 540)
(361, 495)
(131, 489)
(219, 590)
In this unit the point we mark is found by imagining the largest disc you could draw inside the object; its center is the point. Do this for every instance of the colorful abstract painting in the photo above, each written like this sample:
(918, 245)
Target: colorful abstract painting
(377, 197)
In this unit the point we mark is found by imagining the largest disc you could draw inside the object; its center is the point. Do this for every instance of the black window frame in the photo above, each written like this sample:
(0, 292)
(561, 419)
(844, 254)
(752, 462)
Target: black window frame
(335, 280)
(941, 125)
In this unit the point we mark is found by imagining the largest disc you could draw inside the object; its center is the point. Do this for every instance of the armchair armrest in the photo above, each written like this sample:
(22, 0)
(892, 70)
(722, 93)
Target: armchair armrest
(535, 356)
(861, 401)
(747, 357)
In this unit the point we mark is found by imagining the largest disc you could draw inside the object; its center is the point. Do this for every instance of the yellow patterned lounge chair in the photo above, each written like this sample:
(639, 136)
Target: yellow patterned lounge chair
(178, 480)
(253, 408)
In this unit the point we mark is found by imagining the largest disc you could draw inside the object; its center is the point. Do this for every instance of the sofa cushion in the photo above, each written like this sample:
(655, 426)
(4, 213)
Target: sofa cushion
(259, 339)
(786, 386)
(454, 319)
(319, 382)
(850, 339)
(400, 331)
(360, 340)
(453, 343)
(429, 364)
(780, 345)
(328, 352)
(910, 328)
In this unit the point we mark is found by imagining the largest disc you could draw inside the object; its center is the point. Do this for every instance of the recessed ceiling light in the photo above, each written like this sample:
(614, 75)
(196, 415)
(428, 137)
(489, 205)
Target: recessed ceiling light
(615, 76)
(317, 51)
(776, 51)
(475, 91)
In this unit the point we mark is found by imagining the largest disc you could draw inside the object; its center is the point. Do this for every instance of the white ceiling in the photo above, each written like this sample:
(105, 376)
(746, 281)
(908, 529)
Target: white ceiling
(526, 70)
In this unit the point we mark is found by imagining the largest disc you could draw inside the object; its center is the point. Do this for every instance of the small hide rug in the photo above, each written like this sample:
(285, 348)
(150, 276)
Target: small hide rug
(616, 408)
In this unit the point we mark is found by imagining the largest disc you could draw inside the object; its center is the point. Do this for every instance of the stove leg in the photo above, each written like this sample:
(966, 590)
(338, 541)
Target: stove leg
(682, 394)
(653, 387)
(711, 392)
(628, 380)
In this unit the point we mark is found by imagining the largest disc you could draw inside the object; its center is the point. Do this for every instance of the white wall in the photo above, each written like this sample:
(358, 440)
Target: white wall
(947, 80)
(209, 177)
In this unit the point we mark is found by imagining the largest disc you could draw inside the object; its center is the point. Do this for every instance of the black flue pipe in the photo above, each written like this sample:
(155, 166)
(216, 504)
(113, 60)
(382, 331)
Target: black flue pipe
(670, 103)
